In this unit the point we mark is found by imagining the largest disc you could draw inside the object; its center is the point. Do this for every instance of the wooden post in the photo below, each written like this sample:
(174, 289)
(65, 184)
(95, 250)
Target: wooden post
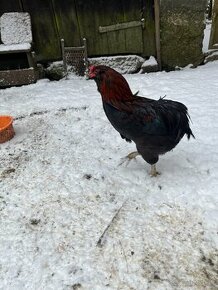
(157, 31)
(85, 53)
(210, 7)
(63, 56)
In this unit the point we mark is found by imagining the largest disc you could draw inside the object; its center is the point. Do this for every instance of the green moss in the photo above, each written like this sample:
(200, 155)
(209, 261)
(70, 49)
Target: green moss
(181, 36)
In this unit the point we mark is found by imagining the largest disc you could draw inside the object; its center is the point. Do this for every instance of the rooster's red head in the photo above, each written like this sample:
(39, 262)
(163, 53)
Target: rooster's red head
(92, 72)
(112, 86)
(96, 71)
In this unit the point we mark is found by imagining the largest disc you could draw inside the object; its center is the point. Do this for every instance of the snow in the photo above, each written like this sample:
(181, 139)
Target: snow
(16, 28)
(15, 47)
(150, 65)
(150, 62)
(71, 218)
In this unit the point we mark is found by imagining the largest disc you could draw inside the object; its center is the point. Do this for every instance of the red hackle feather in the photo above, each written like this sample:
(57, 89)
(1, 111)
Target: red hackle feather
(114, 88)
(112, 85)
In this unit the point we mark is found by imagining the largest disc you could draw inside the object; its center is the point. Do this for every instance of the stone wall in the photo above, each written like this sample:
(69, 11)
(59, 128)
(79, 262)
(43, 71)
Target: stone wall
(182, 25)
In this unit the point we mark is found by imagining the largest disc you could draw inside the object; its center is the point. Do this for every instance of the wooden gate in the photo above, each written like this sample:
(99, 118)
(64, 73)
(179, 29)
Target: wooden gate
(214, 29)
(110, 27)
(116, 27)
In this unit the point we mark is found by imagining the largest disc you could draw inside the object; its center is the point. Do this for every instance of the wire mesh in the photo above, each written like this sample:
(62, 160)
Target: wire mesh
(75, 60)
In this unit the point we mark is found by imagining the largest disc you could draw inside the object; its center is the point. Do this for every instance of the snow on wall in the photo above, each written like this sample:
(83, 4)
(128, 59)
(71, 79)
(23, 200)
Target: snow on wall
(122, 63)
(16, 28)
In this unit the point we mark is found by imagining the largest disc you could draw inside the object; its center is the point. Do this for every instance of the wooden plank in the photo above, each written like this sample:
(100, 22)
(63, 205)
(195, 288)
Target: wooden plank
(67, 23)
(14, 51)
(214, 29)
(148, 33)
(90, 15)
(157, 31)
(45, 34)
(116, 39)
(133, 36)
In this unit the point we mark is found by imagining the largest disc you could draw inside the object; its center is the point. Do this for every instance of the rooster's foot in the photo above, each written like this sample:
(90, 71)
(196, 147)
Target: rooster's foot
(129, 157)
(153, 171)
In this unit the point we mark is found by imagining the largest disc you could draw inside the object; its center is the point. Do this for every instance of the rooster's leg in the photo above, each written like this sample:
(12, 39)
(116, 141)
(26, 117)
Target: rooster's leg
(154, 172)
(129, 157)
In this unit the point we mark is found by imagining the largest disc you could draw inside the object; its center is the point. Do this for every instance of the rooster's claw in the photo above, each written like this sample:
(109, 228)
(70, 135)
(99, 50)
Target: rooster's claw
(128, 158)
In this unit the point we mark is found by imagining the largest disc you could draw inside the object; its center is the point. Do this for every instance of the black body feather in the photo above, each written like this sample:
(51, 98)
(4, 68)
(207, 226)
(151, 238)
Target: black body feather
(155, 126)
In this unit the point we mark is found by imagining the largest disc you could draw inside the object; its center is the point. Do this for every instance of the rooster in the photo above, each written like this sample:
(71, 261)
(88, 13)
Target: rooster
(155, 126)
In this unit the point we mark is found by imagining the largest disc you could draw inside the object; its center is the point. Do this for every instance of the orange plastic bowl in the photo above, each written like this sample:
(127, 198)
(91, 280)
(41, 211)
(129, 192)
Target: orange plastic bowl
(6, 128)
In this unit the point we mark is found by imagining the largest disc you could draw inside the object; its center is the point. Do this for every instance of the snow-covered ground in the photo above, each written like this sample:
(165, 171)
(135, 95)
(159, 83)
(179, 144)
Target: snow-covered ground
(71, 218)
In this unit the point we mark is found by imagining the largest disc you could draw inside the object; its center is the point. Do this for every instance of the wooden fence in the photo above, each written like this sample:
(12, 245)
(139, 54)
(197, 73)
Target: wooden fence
(111, 27)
